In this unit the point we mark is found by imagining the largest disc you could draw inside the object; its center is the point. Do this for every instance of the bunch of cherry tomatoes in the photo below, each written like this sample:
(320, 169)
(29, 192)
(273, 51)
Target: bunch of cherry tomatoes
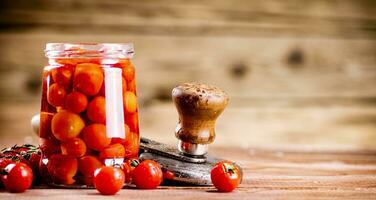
(20, 167)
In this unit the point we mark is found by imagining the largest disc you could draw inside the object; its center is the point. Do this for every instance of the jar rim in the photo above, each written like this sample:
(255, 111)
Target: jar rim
(82, 49)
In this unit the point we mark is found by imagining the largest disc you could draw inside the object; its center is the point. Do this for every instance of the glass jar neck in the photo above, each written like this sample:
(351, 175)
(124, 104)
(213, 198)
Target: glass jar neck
(89, 50)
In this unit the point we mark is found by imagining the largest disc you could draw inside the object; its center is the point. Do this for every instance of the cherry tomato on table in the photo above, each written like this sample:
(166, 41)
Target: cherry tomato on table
(225, 176)
(108, 180)
(17, 177)
(147, 175)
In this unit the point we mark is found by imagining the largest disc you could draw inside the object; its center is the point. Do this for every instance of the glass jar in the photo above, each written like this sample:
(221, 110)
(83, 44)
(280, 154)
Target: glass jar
(89, 114)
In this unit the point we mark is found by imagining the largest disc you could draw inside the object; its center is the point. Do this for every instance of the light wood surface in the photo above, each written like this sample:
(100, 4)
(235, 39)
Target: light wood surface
(268, 174)
(299, 74)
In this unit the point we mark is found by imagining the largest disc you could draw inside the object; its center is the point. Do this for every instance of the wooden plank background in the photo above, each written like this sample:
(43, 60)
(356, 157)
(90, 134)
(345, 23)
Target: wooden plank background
(300, 74)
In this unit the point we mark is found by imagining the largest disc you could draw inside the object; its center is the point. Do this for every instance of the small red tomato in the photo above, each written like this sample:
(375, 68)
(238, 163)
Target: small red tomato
(75, 147)
(62, 75)
(50, 147)
(18, 177)
(225, 176)
(108, 180)
(56, 95)
(66, 125)
(96, 110)
(88, 164)
(95, 136)
(76, 102)
(112, 151)
(168, 175)
(88, 78)
(62, 168)
(4, 162)
(147, 175)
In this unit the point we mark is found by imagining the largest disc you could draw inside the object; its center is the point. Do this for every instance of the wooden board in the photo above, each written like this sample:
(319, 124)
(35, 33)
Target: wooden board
(299, 74)
(268, 174)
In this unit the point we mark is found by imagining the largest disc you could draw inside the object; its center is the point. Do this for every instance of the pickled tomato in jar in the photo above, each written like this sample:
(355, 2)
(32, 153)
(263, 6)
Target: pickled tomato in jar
(89, 110)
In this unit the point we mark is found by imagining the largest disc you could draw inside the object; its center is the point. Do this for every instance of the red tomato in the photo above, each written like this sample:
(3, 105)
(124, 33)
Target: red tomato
(147, 175)
(56, 95)
(62, 168)
(95, 136)
(62, 75)
(73, 147)
(168, 175)
(112, 151)
(66, 125)
(76, 102)
(4, 162)
(108, 180)
(88, 164)
(225, 176)
(88, 78)
(50, 147)
(18, 177)
(96, 110)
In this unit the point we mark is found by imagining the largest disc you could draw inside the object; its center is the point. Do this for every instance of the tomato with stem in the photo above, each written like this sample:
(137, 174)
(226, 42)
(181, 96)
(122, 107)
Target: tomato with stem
(147, 175)
(225, 176)
(17, 177)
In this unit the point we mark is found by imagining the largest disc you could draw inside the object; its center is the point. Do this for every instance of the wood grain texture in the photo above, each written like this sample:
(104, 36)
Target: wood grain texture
(268, 174)
(298, 73)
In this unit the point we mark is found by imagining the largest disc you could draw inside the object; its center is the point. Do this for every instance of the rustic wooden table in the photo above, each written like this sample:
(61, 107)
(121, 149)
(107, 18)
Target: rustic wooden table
(268, 174)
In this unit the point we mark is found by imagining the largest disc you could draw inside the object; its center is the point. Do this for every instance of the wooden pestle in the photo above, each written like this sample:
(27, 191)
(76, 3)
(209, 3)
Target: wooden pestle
(199, 106)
